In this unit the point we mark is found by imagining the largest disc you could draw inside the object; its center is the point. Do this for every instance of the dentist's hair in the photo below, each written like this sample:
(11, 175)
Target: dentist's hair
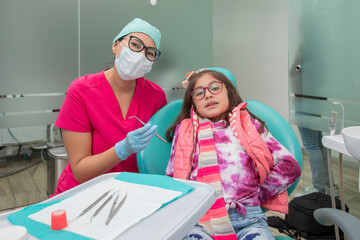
(233, 96)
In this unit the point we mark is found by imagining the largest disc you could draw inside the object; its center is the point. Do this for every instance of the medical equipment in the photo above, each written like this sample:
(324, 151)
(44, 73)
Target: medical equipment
(144, 125)
(114, 203)
(332, 123)
(135, 141)
(92, 205)
(58, 220)
(343, 113)
(101, 207)
(113, 212)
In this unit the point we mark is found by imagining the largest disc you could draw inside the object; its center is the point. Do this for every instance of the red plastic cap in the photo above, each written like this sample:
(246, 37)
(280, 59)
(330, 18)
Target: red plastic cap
(58, 220)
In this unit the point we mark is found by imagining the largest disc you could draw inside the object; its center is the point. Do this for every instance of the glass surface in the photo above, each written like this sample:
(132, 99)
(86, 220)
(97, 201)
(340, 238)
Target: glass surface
(323, 59)
(38, 45)
(324, 40)
(25, 104)
(25, 120)
(29, 111)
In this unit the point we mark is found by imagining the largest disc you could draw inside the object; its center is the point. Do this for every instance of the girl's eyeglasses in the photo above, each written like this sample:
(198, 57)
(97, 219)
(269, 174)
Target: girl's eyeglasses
(213, 87)
(137, 45)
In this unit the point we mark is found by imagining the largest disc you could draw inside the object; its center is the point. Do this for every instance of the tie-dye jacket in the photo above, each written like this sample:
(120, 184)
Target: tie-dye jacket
(240, 180)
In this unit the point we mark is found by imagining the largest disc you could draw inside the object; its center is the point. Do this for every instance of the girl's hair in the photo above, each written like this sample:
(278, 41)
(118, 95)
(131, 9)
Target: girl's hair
(233, 96)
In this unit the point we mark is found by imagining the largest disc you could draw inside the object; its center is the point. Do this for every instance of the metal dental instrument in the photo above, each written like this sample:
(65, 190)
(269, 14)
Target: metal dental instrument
(101, 207)
(92, 205)
(144, 125)
(114, 203)
(112, 213)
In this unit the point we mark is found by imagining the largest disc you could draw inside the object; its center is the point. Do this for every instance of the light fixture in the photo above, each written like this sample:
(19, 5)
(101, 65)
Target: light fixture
(153, 2)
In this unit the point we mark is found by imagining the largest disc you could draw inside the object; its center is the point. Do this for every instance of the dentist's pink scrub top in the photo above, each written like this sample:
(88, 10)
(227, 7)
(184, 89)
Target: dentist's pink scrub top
(91, 106)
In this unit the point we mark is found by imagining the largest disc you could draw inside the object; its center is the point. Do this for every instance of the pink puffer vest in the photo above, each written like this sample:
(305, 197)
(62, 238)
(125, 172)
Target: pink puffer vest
(249, 138)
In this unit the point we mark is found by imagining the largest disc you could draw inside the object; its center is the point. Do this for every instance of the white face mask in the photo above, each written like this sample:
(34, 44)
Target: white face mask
(131, 65)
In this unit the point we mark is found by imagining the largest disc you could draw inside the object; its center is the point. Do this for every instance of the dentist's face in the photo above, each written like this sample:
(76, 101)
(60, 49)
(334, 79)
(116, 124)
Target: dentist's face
(212, 106)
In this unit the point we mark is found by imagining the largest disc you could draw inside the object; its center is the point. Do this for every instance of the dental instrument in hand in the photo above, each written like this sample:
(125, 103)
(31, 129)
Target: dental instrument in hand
(144, 125)
(92, 205)
(101, 207)
(116, 209)
(135, 141)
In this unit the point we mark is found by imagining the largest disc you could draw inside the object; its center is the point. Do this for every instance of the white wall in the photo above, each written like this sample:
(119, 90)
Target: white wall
(251, 40)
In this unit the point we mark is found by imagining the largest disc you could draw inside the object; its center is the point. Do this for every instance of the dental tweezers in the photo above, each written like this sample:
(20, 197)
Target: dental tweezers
(113, 210)
(144, 125)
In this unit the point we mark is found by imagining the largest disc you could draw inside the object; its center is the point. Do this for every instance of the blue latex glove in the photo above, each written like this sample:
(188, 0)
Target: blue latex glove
(135, 141)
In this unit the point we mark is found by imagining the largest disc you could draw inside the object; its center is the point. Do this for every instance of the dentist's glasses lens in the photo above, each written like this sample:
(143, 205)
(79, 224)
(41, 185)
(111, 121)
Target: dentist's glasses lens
(136, 45)
(213, 87)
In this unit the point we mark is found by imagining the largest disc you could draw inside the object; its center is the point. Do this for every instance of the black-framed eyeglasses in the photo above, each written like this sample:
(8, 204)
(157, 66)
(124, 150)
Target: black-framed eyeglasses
(137, 45)
(214, 88)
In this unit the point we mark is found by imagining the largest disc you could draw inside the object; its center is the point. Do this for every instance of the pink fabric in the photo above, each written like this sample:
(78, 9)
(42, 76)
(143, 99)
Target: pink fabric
(259, 152)
(252, 141)
(210, 169)
(219, 218)
(223, 237)
(243, 126)
(91, 106)
(183, 148)
(207, 142)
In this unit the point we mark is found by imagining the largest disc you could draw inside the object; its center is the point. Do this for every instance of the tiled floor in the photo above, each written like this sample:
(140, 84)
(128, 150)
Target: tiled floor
(30, 186)
(24, 187)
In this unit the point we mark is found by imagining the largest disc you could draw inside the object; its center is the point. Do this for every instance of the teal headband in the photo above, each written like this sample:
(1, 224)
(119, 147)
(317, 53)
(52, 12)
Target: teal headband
(139, 25)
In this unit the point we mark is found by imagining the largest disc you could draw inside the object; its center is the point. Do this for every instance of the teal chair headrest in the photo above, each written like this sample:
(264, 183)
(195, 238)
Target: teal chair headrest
(226, 72)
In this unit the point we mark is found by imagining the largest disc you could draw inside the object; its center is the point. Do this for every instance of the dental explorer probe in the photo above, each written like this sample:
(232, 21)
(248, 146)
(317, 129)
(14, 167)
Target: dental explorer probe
(144, 125)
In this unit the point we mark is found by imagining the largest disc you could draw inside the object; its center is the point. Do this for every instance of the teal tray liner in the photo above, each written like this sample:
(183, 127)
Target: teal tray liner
(43, 231)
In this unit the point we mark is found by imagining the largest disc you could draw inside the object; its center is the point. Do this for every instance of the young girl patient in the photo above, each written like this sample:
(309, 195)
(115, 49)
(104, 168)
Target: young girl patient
(217, 140)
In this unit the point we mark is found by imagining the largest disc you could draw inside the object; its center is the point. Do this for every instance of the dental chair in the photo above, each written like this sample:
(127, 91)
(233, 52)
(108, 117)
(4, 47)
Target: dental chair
(154, 158)
(349, 224)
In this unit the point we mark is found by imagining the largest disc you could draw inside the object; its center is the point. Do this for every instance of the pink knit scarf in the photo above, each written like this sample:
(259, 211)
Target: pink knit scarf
(216, 220)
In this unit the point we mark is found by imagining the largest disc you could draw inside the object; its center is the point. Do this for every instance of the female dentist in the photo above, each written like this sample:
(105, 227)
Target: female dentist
(94, 119)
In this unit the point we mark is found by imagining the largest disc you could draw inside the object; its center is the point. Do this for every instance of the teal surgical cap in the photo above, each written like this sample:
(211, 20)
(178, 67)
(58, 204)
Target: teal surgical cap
(139, 25)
